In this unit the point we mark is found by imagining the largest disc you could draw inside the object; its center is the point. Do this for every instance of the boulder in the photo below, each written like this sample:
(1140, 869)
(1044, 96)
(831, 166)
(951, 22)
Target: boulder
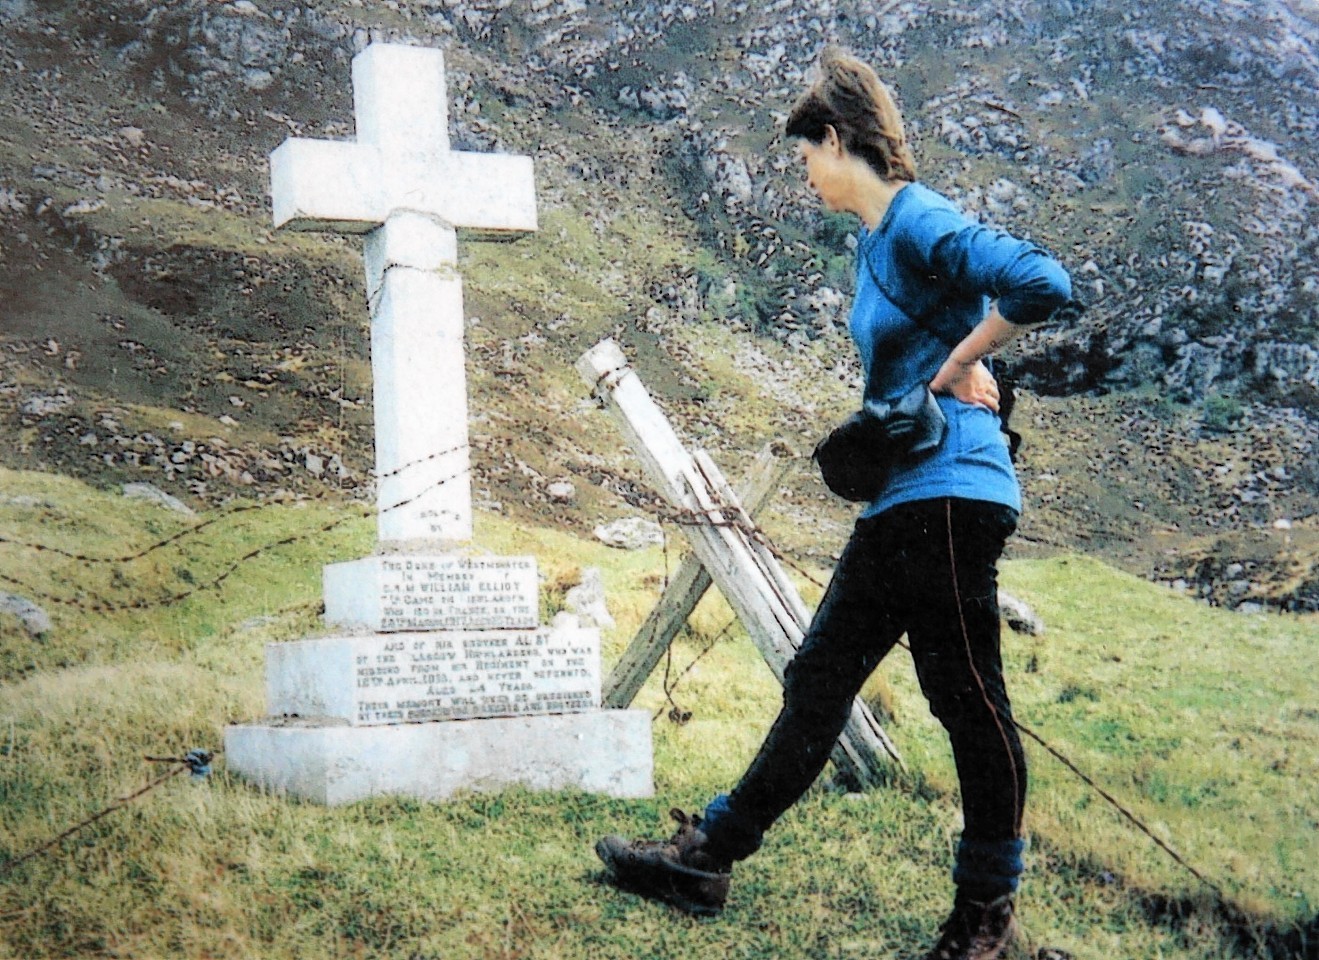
(561, 491)
(34, 619)
(239, 40)
(1287, 362)
(630, 533)
(1193, 372)
(663, 104)
(153, 494)
(43, 405)
(1018, 615)
(12, 11)
(586, 601)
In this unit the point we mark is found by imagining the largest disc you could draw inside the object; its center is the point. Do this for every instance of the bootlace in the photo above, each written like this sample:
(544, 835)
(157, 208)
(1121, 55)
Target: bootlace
(691, 851)
(686, 823)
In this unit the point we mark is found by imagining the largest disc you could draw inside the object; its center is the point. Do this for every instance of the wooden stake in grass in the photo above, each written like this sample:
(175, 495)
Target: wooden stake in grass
(685, 590)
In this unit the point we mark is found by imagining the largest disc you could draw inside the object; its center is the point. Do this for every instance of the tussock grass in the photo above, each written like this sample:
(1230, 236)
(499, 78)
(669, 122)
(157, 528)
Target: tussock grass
(1204, 721)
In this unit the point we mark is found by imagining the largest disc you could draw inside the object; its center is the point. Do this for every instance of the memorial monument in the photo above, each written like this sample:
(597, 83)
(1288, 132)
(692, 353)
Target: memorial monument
(438, 676)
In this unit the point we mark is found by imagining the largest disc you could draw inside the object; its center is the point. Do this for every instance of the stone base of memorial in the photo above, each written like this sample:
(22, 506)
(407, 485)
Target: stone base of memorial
(600, 751)
(359, 715)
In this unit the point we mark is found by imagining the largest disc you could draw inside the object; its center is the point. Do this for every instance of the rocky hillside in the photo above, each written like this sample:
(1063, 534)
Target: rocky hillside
(154, 328)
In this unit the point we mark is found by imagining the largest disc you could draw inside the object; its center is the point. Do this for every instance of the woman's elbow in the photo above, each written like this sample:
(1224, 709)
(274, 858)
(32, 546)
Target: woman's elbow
(1059, 285)
(1047, 291)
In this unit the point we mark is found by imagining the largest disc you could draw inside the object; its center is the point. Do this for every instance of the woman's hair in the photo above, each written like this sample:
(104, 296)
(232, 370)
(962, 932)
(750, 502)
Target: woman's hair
(849, 97)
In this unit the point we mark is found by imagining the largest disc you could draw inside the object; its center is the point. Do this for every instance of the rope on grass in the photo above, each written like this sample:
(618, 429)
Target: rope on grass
(231, 512)
(92, 602)
(1116, 805)
(198, 761)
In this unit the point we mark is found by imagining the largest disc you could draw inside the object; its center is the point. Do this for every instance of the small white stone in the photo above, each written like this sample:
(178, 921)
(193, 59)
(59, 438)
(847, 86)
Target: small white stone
(153, 494)
(562, 491)
(85, 205)
(1019, 616)
(1282, 524)
(630, 533)
(34, 619)
(587, 600)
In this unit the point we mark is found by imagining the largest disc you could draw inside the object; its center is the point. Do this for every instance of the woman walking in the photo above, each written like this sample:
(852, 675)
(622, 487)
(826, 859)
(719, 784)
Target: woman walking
(936, 294)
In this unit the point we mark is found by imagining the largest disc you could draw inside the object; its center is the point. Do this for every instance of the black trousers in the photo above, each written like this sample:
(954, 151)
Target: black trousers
(927, 569)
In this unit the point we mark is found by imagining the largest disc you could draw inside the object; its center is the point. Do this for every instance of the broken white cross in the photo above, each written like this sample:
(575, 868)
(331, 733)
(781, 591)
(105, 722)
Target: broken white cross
(402, 186)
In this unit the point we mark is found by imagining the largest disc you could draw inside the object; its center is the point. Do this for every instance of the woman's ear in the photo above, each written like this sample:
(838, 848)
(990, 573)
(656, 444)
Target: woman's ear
(831, 139)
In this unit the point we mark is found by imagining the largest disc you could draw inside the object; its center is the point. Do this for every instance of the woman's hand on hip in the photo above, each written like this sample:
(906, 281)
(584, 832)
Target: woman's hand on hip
(969, 383)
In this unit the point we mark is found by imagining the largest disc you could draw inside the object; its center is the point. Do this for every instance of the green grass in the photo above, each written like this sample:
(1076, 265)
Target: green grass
(1204, 722)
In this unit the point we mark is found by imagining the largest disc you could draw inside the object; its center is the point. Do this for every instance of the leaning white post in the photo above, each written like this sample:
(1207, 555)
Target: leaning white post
(755, 586)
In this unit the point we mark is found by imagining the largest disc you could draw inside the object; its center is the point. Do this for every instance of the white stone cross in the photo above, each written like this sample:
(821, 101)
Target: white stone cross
(401, 185)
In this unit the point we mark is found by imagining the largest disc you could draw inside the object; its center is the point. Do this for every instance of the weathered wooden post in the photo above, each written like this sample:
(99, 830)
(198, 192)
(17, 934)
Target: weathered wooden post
(686, 588)
(722, 538)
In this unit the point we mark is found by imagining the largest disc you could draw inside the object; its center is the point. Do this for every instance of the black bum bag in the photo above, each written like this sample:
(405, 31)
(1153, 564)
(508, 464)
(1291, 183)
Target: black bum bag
(856, 456)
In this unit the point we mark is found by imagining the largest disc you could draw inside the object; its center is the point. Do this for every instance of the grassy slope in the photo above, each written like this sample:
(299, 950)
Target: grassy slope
(1203, 721)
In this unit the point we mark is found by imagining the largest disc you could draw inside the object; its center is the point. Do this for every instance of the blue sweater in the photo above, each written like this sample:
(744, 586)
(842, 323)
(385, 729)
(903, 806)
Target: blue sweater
(926, 260)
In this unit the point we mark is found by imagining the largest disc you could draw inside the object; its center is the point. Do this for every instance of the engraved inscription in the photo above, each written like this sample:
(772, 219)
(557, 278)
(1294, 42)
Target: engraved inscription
(447, 593)
(407, 678)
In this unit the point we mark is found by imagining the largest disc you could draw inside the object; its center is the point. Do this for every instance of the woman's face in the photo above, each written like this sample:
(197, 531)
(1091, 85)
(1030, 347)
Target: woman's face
(825, 170)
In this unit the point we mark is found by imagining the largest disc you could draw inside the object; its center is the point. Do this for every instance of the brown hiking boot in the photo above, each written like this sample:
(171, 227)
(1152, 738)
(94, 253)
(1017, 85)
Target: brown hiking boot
(976, 931)
(678, 871)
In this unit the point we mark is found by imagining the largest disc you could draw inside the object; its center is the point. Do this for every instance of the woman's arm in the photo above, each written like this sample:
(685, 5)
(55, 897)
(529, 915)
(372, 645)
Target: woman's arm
(1025, 284)
(963, 375)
